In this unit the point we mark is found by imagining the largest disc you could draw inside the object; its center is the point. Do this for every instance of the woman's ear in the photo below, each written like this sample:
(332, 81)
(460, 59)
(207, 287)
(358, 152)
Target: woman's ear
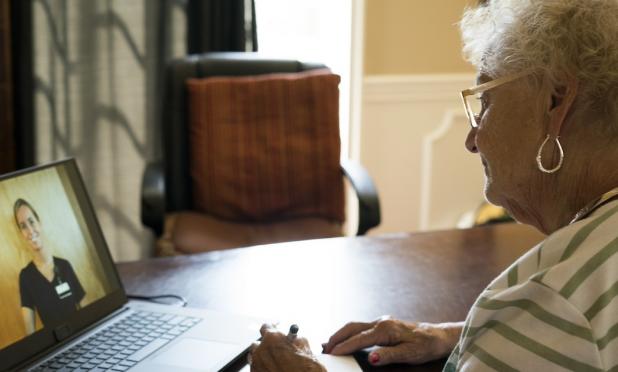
(561, 101)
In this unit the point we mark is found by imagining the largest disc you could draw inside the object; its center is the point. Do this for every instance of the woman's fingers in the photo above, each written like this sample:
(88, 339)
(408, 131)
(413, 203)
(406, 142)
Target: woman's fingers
(357, 342)
(410, 353)
(254, 346)
(344, 333)
(272, 334)
(352, 329)
(302, 344)
(384, 331)
(267, 327)
(401, 342)
(277, 352)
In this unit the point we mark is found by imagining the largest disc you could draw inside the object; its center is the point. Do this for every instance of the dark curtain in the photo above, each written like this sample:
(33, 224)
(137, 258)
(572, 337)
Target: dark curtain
(16, 100)
(7, 124)
(221, 25)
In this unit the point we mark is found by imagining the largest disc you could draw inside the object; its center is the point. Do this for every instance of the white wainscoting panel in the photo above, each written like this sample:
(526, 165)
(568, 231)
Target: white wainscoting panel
(412, 142)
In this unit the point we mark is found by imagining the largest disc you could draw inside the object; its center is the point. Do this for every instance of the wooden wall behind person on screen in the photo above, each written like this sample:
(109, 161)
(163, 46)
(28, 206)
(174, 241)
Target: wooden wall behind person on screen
(62, 233)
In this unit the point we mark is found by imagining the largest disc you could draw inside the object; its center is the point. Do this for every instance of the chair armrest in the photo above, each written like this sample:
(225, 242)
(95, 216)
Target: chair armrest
(153, 197)
(368, 202)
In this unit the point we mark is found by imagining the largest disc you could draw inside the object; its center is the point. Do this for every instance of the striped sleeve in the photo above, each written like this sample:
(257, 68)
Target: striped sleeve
(587, 276)
(556, 308)
(528, 328)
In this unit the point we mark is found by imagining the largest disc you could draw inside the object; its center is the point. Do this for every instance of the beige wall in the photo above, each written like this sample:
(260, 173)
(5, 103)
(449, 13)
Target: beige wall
(413, 37)
(413, 126)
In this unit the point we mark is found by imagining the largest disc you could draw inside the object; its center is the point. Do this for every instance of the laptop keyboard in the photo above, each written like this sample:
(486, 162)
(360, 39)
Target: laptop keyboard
(121, 345)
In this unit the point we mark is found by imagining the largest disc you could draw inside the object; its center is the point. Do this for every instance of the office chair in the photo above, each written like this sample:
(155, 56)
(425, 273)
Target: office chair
(186, 221)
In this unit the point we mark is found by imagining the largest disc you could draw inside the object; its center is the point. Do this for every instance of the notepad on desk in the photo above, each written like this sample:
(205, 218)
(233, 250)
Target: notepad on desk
(332, 363)
(338, 363)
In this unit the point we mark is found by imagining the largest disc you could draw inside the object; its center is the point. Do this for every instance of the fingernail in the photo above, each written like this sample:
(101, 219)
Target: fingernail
(374, 358)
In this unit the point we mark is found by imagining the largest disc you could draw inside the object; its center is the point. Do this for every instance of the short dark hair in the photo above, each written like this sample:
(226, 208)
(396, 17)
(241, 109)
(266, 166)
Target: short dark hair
(20, 203)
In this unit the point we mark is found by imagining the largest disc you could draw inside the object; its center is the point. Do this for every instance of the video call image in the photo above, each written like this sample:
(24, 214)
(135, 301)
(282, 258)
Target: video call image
(49, 267)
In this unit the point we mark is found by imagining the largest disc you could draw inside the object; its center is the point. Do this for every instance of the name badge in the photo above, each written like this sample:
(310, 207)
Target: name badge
(63, 290)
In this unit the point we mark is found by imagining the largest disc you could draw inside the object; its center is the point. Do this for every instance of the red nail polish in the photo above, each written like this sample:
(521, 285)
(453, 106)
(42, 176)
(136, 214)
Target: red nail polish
(374, 358)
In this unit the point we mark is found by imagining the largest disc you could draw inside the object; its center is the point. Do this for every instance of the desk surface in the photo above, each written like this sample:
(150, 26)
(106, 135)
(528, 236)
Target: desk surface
(322, 284)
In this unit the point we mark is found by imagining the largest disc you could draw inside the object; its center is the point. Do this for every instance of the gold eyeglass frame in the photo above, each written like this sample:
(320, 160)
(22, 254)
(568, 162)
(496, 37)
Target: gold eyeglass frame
(485, 87)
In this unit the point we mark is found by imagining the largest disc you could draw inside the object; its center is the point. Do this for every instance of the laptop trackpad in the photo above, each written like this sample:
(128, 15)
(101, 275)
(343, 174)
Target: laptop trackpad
(191, 353)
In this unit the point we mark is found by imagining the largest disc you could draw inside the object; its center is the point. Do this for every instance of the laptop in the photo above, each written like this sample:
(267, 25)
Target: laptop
(63, 305)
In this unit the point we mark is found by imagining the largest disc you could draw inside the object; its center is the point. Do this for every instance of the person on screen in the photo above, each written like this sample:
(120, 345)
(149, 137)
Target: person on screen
(544, 125)
(47, 285)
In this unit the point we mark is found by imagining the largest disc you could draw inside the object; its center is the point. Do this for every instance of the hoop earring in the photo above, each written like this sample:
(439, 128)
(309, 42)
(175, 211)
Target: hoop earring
(540, 163)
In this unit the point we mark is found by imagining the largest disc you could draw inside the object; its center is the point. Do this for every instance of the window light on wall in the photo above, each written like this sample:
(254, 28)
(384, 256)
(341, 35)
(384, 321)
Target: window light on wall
(311, 31)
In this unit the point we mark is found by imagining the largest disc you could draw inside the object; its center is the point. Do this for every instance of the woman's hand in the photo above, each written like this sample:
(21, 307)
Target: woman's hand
(276, 353)
(401, 342)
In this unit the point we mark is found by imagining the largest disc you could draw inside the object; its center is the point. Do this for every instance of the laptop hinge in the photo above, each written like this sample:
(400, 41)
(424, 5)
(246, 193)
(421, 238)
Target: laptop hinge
(62, 332)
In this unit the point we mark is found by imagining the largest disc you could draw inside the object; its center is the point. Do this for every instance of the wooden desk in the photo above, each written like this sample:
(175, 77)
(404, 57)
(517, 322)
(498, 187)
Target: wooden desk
(322, 284)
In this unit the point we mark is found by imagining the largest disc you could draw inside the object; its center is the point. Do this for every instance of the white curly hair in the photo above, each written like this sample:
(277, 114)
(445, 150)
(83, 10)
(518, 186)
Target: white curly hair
(557, 39)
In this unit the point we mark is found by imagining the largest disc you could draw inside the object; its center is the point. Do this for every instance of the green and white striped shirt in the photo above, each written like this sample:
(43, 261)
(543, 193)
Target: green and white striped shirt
(555, 308)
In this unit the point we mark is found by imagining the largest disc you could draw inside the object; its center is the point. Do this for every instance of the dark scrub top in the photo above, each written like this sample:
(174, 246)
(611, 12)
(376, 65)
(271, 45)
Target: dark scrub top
(55, 301)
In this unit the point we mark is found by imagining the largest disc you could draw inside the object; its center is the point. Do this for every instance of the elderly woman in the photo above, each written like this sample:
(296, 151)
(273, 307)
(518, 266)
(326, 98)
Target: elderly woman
(544, 122)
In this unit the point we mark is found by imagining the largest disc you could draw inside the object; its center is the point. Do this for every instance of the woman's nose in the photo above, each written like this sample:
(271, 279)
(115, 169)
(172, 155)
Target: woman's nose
(29, 231)
(471, 141)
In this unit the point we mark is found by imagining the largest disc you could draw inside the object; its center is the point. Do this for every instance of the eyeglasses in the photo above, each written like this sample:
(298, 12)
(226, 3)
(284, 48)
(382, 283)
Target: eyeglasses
(472, 97)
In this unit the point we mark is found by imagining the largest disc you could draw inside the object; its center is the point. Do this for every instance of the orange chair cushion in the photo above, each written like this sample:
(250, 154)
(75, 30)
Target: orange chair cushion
(266, 147)
(191, 232)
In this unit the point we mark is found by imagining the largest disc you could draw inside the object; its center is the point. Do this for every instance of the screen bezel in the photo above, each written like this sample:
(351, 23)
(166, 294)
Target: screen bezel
(45, 339)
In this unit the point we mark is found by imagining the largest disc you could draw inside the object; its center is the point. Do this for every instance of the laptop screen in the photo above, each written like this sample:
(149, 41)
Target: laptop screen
(54, 263)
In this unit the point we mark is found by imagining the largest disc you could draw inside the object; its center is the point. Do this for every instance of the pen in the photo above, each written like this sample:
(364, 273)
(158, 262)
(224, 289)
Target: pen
(292, 333)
